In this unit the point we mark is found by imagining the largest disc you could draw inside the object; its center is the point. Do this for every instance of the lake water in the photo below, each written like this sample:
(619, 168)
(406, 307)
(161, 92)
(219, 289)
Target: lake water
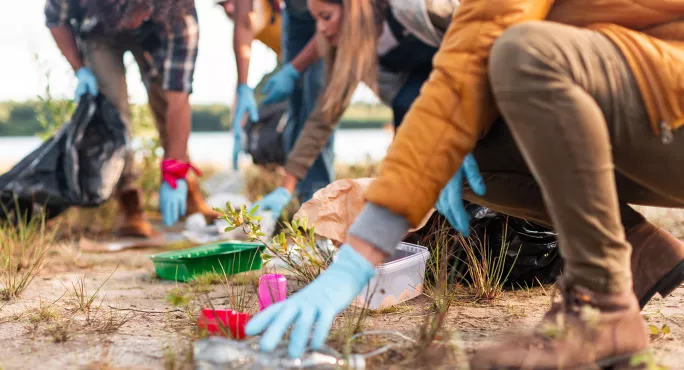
(215, 148)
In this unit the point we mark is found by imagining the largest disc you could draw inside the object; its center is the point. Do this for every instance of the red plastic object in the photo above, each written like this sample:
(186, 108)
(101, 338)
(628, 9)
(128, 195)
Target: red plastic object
(235, 321)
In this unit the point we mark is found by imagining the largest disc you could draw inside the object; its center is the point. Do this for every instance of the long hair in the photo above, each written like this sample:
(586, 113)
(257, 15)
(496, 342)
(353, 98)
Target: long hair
(354, 59)
(111, 13)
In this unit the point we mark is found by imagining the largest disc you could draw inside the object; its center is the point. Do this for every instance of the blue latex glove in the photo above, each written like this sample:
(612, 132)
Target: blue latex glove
(275, 202)
(318, 303)
(172, 202)
(450, 203)
(87, 83)
(281, 85)
(246, 103)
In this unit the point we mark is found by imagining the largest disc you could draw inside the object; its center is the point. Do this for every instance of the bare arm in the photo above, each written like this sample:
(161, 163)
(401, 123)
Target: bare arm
(178, 116)
(66, 42)
(307, 56)
(243, 35)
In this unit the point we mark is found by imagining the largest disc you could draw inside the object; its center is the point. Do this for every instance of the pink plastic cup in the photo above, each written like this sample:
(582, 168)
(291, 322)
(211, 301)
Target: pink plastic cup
(272, 289)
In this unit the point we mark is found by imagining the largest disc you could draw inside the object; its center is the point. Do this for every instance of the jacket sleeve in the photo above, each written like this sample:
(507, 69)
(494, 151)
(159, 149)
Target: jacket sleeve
(313, 138)
(453, 110)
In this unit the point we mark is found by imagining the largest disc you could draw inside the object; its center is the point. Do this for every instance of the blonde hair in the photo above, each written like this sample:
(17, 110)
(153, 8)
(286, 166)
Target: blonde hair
(353, 60)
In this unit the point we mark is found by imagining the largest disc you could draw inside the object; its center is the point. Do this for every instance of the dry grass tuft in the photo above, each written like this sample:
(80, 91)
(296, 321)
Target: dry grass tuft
(23, 251)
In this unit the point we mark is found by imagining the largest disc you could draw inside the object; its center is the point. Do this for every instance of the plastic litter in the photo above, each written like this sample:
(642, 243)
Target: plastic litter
(272, 289)
(227, 257)
(220, 353)
(214, 321)
(216, 353)
(398, 280)
(79, 166)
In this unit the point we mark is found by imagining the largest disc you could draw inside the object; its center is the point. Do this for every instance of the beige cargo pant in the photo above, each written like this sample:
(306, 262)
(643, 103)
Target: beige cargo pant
(105, 58)
(576, 147)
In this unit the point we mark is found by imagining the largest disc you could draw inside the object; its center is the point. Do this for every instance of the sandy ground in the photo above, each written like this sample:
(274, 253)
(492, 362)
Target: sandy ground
(151, 340)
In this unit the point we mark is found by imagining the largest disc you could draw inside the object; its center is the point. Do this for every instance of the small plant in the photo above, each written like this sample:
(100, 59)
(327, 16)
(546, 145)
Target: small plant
(61, 331)
(659, 333)
(111, 320)
(487, 271)
(646, 361)
(85, 302)
(23, 249)
(441, 287)
(203, 282)
(178, 298)
(51, 113)
(296, 246)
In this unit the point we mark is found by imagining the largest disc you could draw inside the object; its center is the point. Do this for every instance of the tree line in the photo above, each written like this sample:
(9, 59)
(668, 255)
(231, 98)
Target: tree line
(22, 118)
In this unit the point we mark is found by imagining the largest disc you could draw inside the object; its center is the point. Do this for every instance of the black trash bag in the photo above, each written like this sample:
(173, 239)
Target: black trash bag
(532, 256)
(79, 166)
(264, 138)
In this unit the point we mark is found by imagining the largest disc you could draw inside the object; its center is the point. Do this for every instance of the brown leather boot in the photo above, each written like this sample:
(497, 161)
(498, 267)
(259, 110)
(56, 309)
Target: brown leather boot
(196, 203)
(586, 330)
(657, 261)
(132, 220)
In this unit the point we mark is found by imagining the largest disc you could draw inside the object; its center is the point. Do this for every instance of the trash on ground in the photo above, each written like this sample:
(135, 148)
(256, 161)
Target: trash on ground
(333, 209)
(79, 166)
(195, 222)
(272, 289)
(119, 244)
(219, 322)
(398, 280)
(216, 353)
(230, 257)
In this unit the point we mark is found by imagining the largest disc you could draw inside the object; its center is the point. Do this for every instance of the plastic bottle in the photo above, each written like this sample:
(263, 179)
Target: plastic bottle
(216, 353)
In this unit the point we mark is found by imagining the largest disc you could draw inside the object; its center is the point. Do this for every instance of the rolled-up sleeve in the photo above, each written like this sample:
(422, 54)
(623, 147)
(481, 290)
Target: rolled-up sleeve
(57, 13)
(180, 55)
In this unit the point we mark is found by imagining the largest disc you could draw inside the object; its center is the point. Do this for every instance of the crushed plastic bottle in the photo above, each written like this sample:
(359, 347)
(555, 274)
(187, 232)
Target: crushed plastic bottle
(217, 353)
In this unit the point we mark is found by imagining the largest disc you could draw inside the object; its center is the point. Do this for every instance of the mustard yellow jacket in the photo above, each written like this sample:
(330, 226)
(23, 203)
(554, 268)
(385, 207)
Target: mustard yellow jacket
(455, 107)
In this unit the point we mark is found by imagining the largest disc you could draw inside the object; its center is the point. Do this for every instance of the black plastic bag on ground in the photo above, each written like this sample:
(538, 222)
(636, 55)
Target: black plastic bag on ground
(532, 254)
(265, 137)
(79, 166)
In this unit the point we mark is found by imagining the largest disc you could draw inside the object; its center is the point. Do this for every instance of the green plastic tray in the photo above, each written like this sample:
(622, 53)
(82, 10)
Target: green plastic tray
(232, 257)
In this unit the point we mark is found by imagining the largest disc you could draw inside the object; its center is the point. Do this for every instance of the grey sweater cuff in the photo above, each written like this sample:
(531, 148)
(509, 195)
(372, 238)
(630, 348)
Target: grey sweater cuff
(380, 227)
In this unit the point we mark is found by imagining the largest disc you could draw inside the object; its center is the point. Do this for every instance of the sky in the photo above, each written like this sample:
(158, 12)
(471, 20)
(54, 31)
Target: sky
(24, 37)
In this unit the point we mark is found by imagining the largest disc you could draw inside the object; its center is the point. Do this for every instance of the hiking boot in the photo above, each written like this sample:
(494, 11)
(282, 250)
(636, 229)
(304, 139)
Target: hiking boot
(586, 330)
(132, 220)
(196, 203)
(657, 261)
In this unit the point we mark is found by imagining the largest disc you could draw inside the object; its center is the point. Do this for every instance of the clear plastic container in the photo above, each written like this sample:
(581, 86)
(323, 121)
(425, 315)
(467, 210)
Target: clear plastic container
(397, 280)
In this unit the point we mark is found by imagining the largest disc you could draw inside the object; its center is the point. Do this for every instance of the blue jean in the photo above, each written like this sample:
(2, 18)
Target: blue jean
(298, 29)
(407, 94)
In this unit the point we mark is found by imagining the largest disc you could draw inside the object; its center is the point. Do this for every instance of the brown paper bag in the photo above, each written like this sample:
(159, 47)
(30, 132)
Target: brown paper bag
(333, 209)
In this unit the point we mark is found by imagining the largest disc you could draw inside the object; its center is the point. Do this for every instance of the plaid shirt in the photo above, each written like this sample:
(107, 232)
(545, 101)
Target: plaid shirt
(174, 61)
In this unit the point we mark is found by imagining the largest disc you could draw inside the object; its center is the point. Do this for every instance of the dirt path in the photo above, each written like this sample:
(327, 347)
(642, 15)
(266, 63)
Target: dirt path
(158, 340)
